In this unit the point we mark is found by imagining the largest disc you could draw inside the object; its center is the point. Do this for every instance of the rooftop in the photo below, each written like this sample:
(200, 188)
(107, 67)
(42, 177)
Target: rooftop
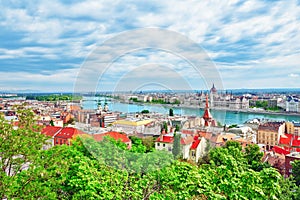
(294, 154)
(273, 126)
(133, 122)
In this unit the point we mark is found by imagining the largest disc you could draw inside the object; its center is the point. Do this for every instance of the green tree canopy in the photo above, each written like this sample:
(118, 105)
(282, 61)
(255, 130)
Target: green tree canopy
(171, 112)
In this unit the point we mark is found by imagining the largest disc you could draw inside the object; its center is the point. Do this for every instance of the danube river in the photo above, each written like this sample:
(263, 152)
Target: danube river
(225, 117)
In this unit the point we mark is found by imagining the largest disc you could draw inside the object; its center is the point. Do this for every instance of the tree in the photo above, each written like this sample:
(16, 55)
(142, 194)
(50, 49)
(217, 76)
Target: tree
(254, 156)
(109, 170)
(176, 146)
(233, 126)
(145, 111)
(233, 144)
(19, 149)
(51, 123)
(296, 171)
(171, 112)
(148, 142)
(165, 127)
(177, 128)
(137, 145)
(289, 189)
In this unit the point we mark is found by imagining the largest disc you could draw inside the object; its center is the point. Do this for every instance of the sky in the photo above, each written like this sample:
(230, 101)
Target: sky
(46, 45)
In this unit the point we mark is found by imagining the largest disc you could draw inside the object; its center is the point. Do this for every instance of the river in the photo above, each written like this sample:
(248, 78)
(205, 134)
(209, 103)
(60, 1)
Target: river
(225, 117)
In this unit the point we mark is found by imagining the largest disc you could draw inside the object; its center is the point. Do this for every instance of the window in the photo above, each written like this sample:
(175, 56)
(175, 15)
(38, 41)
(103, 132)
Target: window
(158, 144)
(193, 153)
(169, 149)
(164, 145)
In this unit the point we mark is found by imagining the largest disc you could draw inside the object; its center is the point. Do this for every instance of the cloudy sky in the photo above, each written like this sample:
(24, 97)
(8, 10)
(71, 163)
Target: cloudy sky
(45, 44)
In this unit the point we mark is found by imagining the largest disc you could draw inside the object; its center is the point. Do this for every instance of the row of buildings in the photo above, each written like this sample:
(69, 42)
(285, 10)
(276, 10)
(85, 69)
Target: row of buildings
(220, 99)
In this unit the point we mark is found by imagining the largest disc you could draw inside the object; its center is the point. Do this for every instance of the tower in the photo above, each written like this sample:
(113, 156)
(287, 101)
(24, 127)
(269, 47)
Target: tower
(207, 116)
(213, 93)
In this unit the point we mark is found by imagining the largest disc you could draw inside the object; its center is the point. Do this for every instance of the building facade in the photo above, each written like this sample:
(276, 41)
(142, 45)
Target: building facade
(269, 133)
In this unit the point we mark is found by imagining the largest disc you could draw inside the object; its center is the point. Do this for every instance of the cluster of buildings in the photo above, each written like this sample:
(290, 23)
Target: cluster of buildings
(224, 100)
(63, 121)
(220, 100)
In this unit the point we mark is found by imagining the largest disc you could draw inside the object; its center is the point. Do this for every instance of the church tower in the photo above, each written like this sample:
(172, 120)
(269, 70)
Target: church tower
(207, 116)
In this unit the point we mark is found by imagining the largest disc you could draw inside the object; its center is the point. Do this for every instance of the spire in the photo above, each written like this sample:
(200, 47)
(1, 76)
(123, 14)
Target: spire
(206, 105)
(207, 116)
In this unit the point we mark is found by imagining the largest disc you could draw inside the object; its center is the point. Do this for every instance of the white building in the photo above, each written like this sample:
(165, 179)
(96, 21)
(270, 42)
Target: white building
(292, 104)
(192, 148)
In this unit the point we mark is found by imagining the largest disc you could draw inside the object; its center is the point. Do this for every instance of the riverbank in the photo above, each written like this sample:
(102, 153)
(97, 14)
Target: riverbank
(254, 111)
(225, 116)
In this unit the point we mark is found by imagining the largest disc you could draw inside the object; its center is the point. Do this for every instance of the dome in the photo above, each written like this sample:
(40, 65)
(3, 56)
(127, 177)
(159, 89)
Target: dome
(213, 89)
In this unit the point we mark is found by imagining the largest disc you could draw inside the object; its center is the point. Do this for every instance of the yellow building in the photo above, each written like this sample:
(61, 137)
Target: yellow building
(289, 127)
(132, 126)
(297, 129)
(293, 128)
(269, 133)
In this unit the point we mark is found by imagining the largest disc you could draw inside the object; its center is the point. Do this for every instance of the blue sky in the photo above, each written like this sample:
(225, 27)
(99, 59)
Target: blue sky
(253, 44)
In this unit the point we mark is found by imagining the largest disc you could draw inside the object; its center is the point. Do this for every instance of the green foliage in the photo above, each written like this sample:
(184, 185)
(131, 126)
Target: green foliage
(162, 101)
(54, 97)
(254, 156)
(177, 128)
(176, 102)
(145, 111)
(289, 189)
(108, 170)
(276, 108)
(233, 144)
(110, 153)
(165, 127)
(176, 151)
(18, 149)
(171, 112)
(71, 121)
(296, 171)
(148, 142)
(137, 145)
(261, 104)
(134, 99)
(51, 123)
(158, 101)
(233, 126)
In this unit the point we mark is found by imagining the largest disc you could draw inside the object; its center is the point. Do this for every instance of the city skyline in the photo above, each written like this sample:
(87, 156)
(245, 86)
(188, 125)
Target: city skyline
(253, 44)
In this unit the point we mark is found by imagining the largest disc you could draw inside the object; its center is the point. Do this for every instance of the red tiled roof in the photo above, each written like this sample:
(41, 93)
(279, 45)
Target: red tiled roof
(296, 141)
(280, 150)
(165, 139)
(68, 133)
(195, 144)
(113, 134)
(285, 139)
(290, 140)
(65, 132)
(50, 130)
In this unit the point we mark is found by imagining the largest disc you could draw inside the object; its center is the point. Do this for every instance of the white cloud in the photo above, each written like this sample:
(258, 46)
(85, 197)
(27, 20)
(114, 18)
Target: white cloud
(61, 80)
(293, 75)
(245, 35)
